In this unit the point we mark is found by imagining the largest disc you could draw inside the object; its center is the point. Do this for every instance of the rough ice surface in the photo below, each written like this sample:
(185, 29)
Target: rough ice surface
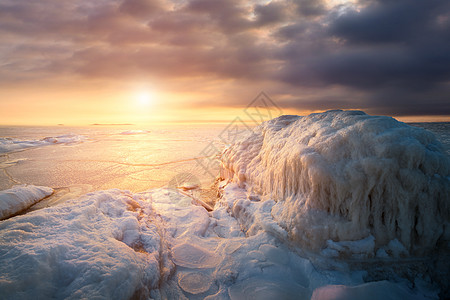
(194, 282)
(345, 176)
(20, 197)
(101, 246)
(11, 144)
(156, 244)
(256, 243)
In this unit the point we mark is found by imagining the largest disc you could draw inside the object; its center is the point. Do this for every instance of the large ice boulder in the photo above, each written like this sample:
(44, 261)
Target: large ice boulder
(345, 176)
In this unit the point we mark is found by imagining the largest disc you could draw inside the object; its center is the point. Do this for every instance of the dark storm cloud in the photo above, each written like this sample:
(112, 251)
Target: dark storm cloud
(381, 55)
(229, 15)
(397, 52)
(141, 8)
(392, 22)
(310, 7)
(270, 13)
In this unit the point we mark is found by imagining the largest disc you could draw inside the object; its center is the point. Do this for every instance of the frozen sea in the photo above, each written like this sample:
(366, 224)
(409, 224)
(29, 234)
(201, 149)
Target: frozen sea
(124, 157)
(77, 160)
(123, 216)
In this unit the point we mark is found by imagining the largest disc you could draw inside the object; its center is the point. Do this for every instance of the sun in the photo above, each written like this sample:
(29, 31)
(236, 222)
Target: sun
(144, 98)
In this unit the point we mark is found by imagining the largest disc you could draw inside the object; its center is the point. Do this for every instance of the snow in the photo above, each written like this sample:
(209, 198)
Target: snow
(102, 246)
(10, 144)
(346, 176)
(20, 197)
(157, 244)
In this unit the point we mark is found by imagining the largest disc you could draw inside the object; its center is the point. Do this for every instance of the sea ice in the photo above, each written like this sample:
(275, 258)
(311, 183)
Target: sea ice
(118, 245)
(20, 197)
(11, 144)
(103, 246)
(192, 256)
(194, 282)
(324, 182)
(132, 132)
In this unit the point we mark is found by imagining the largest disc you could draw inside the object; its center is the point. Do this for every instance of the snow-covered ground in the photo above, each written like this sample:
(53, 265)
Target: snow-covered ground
(116, 245)
(254, 244)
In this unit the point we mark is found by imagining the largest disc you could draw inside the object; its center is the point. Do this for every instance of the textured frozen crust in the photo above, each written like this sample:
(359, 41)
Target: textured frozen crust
(104, 245)
(345, 175)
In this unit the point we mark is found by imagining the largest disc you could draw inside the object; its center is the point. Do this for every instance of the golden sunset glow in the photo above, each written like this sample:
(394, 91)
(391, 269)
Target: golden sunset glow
(136, 61)
(145, 98)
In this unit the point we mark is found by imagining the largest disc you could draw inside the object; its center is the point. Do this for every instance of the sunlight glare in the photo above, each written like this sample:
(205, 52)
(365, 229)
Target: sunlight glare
(144, 98)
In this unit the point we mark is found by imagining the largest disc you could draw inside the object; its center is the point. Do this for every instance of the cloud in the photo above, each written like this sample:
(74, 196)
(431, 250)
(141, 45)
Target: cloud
(270, 13)
(141, 8)
(396, 52)
(381, 55)
(310, 7)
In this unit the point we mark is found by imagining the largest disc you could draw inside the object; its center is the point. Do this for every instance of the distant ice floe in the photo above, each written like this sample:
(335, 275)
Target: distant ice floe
(133, 132)
(20, 197)
(346, 183)
(11, 144)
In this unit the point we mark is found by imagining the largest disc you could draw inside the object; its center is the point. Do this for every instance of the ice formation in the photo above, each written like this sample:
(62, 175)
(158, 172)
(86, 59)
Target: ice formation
(21, 197)
(347, 182)
(11, 144)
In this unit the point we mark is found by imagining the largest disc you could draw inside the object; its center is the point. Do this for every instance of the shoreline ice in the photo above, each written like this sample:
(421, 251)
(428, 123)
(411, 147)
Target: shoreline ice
(159, 244)
(11, 144)
(21, 197)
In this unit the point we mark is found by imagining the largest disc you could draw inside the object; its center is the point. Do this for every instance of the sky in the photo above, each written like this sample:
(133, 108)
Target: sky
(138, 61)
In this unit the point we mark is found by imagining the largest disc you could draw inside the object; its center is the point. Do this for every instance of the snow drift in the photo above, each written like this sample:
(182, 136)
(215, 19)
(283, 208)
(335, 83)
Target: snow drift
(347, 182)
(21, 197)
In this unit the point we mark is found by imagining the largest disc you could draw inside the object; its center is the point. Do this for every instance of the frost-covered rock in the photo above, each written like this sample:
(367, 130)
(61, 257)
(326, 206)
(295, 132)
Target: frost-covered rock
(346, 176)
(21, 197)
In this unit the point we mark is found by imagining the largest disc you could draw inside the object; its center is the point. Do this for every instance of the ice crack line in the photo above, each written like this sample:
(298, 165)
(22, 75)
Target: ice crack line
(6, 172)
(138, 165)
